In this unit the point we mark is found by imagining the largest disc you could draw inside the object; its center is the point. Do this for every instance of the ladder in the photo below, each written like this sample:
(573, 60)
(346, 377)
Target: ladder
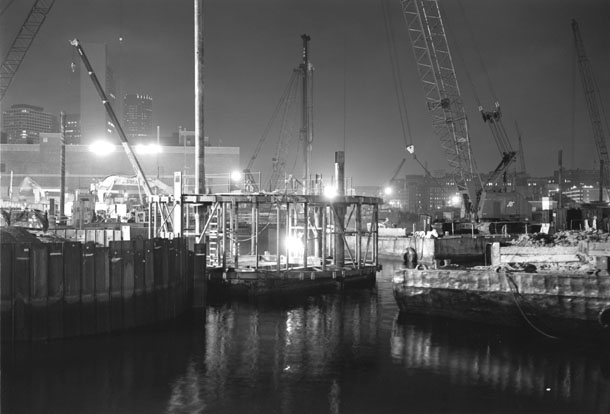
(213, 238)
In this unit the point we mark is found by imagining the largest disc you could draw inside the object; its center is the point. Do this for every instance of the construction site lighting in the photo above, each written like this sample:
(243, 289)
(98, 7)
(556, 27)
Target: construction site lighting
(388, 190)
(101, 148)
(236, 176)
(330, 192)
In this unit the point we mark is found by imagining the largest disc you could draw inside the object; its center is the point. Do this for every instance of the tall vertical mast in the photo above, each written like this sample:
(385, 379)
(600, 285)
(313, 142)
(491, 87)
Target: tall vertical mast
(443, 97)
(592, 99)
(305, 130)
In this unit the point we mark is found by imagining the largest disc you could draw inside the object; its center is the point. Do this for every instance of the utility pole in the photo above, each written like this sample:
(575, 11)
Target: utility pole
(305, 130)
(62, 167)
(199, 120)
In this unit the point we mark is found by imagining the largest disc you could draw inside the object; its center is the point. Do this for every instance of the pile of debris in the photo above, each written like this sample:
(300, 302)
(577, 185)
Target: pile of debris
(561, 238)
(9, 235)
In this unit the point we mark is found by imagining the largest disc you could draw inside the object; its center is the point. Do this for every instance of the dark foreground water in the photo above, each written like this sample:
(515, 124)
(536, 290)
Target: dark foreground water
(348, 352)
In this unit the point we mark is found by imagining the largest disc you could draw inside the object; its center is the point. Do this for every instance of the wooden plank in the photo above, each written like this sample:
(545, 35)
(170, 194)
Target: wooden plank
(81, 236)
(128, 284)
(102, 289)
(116, 286)
(539, 258)
(88, 317)
(73, 285)
(598, 249)
(108, 237)
(158, 283)
(6, 291)
(90, 236)
(70, 234)
(39, 291)
(149, 280)
(173, 278)
(55, 285)
(21, 286)
(100, 238)
(555, 250)
(139, 292)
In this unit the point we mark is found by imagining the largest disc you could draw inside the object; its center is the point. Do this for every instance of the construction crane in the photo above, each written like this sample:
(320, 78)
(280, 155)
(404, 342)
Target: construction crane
(437, 73)
(22, 42)
(98, 87)
(592, 98)
(494, 120)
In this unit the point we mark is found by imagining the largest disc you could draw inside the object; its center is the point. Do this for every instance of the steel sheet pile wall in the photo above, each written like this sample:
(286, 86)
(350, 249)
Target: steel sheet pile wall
(57, 290)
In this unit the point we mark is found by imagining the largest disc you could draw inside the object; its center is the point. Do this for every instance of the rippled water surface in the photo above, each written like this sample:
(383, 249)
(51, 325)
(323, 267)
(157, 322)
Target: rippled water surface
(348, 352)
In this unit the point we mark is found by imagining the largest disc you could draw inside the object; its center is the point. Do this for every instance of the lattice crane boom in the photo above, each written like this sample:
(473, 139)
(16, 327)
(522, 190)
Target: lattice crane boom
(22, 42)
(592, 99)
(442, 92)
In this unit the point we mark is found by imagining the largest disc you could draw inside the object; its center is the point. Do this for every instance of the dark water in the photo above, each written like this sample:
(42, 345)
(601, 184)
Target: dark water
(335, 353)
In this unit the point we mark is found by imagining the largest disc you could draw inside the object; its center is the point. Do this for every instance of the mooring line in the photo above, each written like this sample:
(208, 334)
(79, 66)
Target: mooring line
(510, 279)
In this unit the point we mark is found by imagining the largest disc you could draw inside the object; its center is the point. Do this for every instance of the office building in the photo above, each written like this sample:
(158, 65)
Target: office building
(94, 122)
(138, 118)
(24, 123)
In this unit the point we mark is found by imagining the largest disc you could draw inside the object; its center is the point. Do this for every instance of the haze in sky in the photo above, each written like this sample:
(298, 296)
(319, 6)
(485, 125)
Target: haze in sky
(520, 53)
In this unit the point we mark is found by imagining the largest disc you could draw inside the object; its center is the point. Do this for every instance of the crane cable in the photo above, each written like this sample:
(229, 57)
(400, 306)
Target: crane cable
(398, 86)
(479, 56)
(269, 125)
(6, 7)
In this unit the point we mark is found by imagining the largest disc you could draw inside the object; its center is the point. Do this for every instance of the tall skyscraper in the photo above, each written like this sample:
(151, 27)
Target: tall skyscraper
(94, 122)
(23, 123)
(72, 129)
(137, 118)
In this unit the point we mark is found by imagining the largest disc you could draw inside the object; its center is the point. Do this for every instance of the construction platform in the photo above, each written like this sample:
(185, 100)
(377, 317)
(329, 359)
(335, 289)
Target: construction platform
(266, 243)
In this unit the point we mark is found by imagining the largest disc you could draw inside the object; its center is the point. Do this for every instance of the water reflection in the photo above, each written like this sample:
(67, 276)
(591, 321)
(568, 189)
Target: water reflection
(508, 362)
(348, 352)
(278, 356)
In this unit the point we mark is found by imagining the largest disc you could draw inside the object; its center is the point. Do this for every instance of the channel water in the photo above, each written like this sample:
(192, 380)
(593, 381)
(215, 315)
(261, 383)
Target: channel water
(345, 352)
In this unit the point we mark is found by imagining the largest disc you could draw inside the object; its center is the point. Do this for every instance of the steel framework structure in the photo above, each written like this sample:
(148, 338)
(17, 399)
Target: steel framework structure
(592, 99)
(442, 92)
(22, 43)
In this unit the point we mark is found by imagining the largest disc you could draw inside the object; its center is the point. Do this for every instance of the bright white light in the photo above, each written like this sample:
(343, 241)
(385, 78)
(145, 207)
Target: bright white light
(294, 245)
(330, 192)
(101, 148)
(455, 200)
(388, 190)
(236, 176)
(148, 149)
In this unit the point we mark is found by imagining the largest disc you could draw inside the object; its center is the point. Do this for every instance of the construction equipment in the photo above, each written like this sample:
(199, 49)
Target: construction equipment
(160, 206)
(437, 73)
(593, 104)
(22, 42)
(117, 125)
(494, 120)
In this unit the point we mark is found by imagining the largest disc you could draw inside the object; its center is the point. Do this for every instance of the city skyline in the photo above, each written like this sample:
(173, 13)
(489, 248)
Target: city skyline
(251, 49)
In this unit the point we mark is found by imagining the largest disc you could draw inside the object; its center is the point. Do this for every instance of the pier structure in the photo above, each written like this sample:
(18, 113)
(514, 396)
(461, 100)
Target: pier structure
(265, 242)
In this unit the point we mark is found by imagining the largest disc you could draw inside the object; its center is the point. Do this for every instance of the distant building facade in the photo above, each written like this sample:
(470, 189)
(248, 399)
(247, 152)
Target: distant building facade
(94, 122)
(72, 129)
(83, 166)
(138, 118)
(24, 123)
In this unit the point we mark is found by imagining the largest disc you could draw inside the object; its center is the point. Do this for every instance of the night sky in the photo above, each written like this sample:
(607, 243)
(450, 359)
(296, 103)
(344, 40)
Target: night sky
(522, 48)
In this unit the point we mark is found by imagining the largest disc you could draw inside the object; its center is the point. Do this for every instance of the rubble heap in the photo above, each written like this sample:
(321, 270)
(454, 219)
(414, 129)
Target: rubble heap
(561, 238)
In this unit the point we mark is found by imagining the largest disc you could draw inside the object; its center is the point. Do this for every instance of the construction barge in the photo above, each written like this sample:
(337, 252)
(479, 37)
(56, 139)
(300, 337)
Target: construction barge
(558, 291)
(271, 243)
